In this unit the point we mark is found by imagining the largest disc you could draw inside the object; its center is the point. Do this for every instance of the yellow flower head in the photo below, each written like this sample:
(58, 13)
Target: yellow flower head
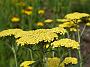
(10, 32)
(76, 15)
(71, 60)
(36, 36)
(40, 24)
(15, 19)
(33, 36)
(30, 8)
(66, 43)
(67, 24)
(48, 21)
(73, 29)
(88, 24)
(41, 11)
(53, 62)
(27, 12)
(26, 63)
(62, 20)
(60, 30)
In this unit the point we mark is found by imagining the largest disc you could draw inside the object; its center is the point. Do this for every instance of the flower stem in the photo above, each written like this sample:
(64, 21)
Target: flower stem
(31, 54)
(53, 52)
(83, 30)
(45, 61)
(79, 51)
(14, 52)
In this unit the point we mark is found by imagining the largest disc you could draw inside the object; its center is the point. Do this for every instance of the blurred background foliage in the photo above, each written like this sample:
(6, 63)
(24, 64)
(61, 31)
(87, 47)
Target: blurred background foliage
(53, 9)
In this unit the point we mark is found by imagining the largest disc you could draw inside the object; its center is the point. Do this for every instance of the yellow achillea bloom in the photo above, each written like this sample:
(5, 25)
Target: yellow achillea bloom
(71, 19)
(76, 15)
(73, 29)
(60, 30)
(53, 62)
(33, 36)
(48, 21)
(46, 35)
(26, 63)
(67, 24)
(62, 20)
(40, 24)
(71, 60)
(88, 24)
(37, 36)
(27, 40)
(10, 32)
(66, 43)
(28, 10)
(15, 19)
(41, 11)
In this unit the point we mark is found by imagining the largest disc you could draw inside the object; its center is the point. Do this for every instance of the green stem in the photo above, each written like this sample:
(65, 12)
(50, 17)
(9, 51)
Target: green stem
(45, 61)
(31, 54)
(14, 52)
(83, 30)
(53, 52)
(79, 49)
(73, 36)
(68, 36)
(69, 52)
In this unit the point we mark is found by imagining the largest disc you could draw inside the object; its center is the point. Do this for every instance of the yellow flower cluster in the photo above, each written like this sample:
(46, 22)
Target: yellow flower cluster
(26, 63)
(41, 11)
(33, 36)
(60, 30)
(22, 34)
(66, 43)
(62, 20)
(71, 60)
(40, 24)
(28, 10)
(56, 62)
(15, 19)
(88, 24)
(53, 62)
(76, 15)
(68, 24)
(73, 29)
(48, 21)
(10, 32)
(71, 19)
(37, 36)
